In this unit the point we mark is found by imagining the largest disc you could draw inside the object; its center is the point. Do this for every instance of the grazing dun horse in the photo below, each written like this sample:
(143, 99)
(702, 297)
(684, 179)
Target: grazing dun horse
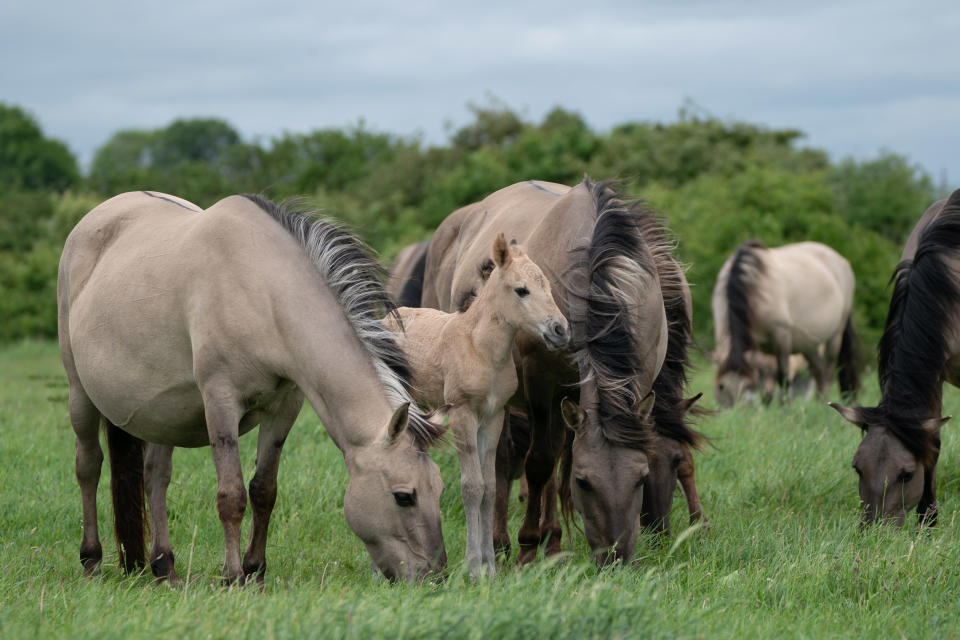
(670, 458)
(919, 350)
(183, 327)
(464, 360)
(797, 298)
(602, 269)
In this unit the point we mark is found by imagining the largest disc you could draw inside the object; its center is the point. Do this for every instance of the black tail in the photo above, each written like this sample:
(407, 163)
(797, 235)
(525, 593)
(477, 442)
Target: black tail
(412, 291)
(126, 485)
(848, 362)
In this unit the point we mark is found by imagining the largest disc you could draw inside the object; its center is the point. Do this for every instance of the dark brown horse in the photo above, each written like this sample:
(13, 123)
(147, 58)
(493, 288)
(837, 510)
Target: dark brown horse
(603, 270)
(919, 350)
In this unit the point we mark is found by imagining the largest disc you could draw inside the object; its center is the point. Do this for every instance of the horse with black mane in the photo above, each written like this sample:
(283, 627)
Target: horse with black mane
(920, 349)
(604, 263)
(797, 298)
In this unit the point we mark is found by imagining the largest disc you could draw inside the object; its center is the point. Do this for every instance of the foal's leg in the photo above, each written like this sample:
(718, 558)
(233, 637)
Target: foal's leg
(157, 465)
(86, 423)
(487, 439)
(463, 423)
(223, 413)
(263, 486)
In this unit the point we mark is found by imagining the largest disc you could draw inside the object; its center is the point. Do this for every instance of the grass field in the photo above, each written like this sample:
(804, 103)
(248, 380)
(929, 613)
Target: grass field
(784, 556)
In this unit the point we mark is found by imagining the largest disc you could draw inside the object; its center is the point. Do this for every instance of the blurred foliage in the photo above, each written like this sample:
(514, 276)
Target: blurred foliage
(717, 183)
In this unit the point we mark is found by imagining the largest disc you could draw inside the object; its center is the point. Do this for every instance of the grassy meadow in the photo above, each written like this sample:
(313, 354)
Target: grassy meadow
(784, 556)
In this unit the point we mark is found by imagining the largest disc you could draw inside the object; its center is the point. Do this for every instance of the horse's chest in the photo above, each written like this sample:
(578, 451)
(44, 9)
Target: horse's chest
(486, 390)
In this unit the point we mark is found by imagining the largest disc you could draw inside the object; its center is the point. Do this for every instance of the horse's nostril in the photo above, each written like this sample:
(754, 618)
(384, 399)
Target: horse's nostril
(559, 329)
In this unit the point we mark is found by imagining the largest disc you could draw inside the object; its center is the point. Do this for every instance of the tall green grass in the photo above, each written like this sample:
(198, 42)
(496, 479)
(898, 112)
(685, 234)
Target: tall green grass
(784, 555)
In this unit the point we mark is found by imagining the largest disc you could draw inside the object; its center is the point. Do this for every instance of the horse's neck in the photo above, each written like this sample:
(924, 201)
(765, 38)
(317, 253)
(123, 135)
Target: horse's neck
(900, 393)
(491, 336)
(336, 373)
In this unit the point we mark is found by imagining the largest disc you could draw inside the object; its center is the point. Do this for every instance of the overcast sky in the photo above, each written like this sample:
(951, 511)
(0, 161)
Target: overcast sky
(857, 77)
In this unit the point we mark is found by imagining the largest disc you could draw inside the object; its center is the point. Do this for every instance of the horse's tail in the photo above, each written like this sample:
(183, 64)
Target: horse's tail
(848, 361)
(126, 485)
(412, 291)
(744, 267)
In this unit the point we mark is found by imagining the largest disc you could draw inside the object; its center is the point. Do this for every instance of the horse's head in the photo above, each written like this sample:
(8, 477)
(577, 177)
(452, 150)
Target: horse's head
(521, 295)
(606, 483)
(731, 387)
(892, 477)
(392, 503)
(665, 461)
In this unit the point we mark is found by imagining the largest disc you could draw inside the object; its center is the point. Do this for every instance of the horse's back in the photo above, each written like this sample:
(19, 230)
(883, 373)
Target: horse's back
(154, 291)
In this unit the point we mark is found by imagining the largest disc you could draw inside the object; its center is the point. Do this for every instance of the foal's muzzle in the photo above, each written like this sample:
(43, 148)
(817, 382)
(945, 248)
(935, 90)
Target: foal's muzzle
(556, 334)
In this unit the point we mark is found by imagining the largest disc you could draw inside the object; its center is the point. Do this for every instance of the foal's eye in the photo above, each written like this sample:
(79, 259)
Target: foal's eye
(584, 484)
(522, 291)
(405, 499)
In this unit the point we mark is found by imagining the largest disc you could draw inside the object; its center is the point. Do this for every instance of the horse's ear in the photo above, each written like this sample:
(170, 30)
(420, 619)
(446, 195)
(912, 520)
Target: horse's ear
(398, 422)
(686, 404)
(501, 252)
(933, 424)
(573, 415)
(645, 407)
(851, 414)
(440, 418)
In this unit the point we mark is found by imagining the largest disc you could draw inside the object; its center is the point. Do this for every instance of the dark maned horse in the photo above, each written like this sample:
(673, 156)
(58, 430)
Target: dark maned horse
(183, 327)
(919, 349)
(670, 458)
(797, 298)
(606, 281)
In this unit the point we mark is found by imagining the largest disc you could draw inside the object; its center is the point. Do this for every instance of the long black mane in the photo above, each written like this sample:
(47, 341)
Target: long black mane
(914, 348)
(611, 345)
(744, 268)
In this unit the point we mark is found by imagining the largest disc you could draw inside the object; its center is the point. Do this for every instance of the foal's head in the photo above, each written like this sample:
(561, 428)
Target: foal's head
(520, 294)
(891, 474)
(392, 503)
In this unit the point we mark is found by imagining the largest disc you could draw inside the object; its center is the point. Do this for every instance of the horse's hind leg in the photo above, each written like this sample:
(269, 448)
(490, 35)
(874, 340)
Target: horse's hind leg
(550, 530)
(158, 463)
(263, 486)
(86, 423)
(686, 476)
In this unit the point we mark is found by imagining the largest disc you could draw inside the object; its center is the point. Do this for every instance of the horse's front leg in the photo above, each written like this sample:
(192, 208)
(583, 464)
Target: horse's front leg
(927, 509)
(157, 468)
(686, 475)
(487, 439)
(263, 486)
(223, 413)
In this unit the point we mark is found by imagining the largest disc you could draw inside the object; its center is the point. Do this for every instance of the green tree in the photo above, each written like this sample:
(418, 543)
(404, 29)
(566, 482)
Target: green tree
(28, 159)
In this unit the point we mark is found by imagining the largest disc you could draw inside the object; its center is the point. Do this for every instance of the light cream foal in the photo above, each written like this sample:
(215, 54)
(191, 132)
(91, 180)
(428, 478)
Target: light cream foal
(465, 360)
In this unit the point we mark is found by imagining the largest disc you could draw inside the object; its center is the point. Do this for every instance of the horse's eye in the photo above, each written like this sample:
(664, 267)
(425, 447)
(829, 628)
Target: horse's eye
(405, 499)
(584, 484)
(905, 477)
(522, 291)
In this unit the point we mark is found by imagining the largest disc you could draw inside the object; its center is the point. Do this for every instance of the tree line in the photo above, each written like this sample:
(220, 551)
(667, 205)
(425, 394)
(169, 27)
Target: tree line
(717, 182)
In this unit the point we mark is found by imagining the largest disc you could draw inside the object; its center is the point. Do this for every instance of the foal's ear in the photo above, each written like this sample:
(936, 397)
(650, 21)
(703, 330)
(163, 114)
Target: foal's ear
(398, 422)
(687, 403)
(573, 415)
(645, 407)
(501, 252)
(851, 414)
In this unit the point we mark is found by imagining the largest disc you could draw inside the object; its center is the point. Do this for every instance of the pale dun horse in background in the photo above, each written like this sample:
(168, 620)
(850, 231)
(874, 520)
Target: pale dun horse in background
(797, 298)
(183, 327)
(465, 361)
